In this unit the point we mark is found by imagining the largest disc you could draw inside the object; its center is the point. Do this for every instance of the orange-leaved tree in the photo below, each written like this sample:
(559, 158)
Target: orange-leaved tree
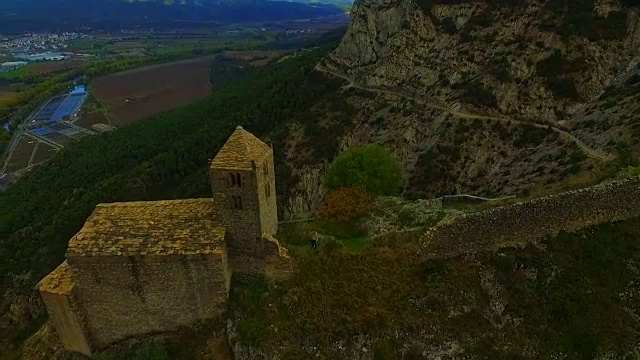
(345, 204)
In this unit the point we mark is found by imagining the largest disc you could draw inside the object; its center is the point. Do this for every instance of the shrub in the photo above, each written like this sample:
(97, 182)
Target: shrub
(148, 350)
(251, 330)
(346, 204)
(530, 136)
(5, 138)
(563, 88)
(477, 93)
(386, 350)
(371, 168)
(633, 170)
(329, 246)
(629, 3)
(434, 271)
(552, 65)
(406, 216)
(340, 230)
(293, 233)
(448, 26)
(505, 263)
(576, 157)
(426, 6)
(502, 69)
(633, 80)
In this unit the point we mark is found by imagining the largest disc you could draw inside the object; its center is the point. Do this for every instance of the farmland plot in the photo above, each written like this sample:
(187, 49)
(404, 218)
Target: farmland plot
(135, 94)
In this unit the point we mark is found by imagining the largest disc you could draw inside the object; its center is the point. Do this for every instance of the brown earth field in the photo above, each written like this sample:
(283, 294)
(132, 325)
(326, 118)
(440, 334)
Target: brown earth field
(92, 118)
(43, 153)
(21, 154)
(135, 94)
(7, 94)
(254, 57)
(122, 45)
(52, 66)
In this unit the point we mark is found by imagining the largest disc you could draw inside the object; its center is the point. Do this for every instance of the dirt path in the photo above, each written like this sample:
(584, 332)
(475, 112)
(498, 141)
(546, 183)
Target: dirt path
(474, 197)
(592, 153)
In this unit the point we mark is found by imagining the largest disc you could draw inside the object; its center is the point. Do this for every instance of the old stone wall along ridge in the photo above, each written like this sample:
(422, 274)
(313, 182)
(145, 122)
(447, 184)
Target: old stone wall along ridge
(535, 220)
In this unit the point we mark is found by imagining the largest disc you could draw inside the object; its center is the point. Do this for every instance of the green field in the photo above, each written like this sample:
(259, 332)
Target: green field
(17, 74)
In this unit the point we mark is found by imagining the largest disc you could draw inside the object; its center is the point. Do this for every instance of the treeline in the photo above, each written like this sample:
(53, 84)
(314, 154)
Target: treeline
(5, 137)
(227, 71)
(163, 157)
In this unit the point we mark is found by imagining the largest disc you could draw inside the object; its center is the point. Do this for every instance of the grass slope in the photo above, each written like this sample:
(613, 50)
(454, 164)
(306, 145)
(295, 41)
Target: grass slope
(576, 296)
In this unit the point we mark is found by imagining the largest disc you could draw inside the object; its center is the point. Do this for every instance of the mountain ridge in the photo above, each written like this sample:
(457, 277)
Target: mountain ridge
(16, 16)
(563, 71)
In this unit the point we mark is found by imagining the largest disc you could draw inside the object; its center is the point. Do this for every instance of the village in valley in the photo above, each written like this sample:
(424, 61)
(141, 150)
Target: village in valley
(97, 81)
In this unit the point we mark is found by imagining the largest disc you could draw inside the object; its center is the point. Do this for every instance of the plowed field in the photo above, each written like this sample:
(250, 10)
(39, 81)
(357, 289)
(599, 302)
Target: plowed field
(133, 95)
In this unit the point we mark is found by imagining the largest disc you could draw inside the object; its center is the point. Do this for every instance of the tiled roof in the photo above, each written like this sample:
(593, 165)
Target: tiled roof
(59, 281)
(150, 228)
(239, 150)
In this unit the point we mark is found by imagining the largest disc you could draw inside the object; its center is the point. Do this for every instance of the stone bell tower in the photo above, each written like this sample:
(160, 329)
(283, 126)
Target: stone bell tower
(243, 184)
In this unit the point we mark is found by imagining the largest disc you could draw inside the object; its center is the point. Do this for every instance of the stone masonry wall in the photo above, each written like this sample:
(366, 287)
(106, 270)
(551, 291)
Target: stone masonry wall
(267, 197)
(242, 225)
(273, 262)
(278, 264)
(536, 219)
(129, 296)
(65, 316)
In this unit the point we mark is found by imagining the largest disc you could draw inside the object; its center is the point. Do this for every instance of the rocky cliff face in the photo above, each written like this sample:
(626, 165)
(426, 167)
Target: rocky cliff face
(485, 97)
(534, 60)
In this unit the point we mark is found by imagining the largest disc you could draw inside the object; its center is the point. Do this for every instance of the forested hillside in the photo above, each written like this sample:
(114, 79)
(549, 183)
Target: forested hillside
(5, 137)
(163, 157)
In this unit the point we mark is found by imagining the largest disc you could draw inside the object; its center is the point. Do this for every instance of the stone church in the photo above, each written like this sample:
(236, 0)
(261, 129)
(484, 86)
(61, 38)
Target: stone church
(144, 267)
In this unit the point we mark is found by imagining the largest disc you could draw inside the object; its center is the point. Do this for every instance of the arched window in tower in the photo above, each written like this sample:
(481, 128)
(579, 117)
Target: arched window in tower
(238, 180)
(267, 189)
(232, 179)
(265, 167)
(236, 202)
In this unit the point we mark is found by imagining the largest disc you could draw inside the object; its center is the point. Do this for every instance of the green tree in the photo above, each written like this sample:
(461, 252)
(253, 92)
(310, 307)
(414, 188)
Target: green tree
(371, 167)
(5, 138)
(633, 170)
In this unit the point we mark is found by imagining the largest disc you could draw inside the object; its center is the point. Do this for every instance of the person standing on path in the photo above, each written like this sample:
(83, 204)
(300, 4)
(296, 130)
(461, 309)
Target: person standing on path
(314, 241)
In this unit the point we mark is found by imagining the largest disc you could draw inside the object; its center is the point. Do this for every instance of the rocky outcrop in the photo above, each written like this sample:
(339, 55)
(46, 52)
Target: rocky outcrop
(491, 98)
(374, 24)
(535, 60)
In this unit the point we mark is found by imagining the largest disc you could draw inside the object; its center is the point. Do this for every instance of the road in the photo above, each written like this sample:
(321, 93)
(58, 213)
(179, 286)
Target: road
(590, 152)
(44, 140)
(9, 152)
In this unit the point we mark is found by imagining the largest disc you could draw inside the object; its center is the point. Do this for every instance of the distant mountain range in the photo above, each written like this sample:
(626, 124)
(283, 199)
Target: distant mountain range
(344, 4)
(20, 15)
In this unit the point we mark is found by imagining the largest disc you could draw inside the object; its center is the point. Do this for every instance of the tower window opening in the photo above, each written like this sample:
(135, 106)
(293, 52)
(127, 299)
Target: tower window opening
(232, 180)
(238, 180)
(236, 202)
(267, 189)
